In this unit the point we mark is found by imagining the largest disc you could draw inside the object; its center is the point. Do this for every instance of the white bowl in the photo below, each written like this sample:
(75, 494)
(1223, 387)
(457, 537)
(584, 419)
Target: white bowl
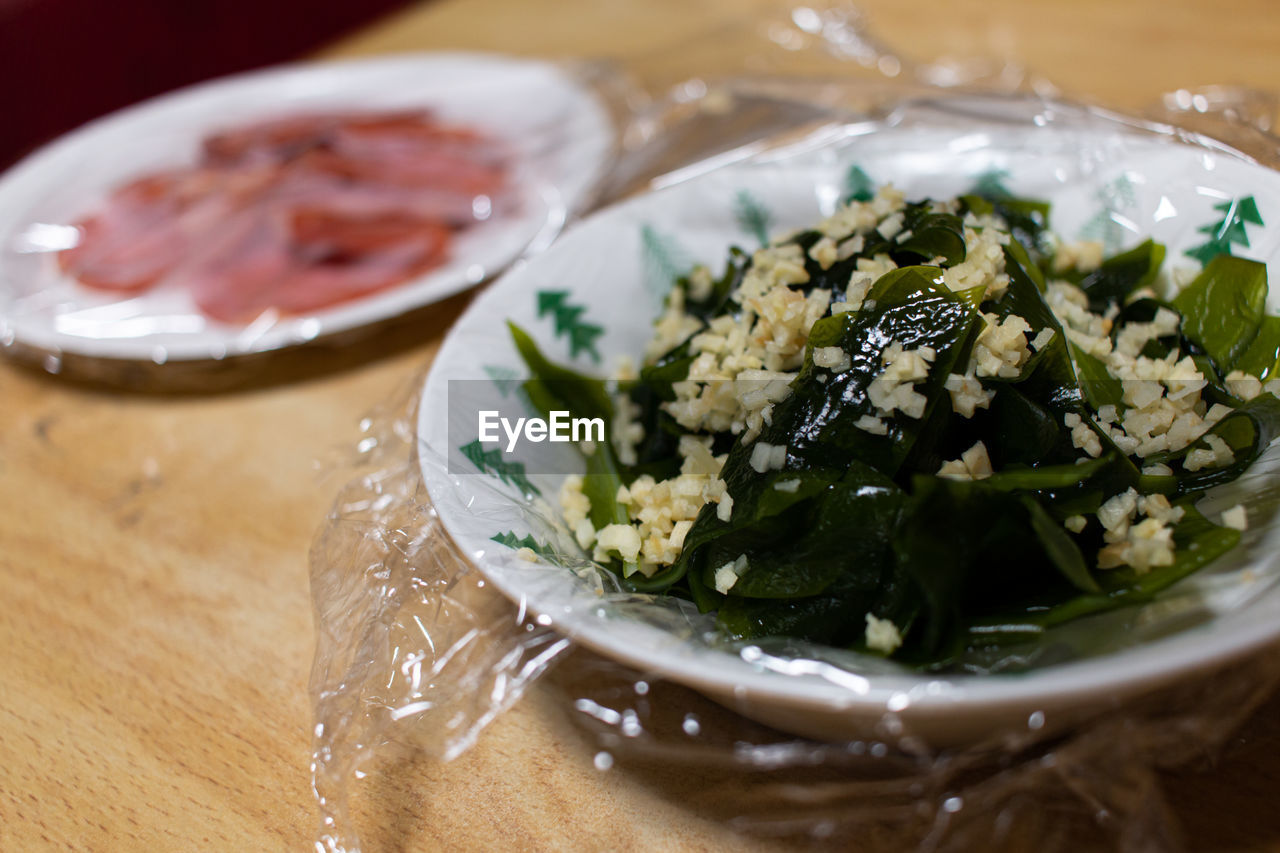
(1104, 176)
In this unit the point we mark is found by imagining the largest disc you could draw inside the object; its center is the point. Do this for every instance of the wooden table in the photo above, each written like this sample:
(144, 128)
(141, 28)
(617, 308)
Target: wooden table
(156, 620)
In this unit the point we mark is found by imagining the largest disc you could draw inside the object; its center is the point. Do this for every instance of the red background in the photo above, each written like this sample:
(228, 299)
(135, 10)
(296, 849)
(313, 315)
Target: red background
(63, 62)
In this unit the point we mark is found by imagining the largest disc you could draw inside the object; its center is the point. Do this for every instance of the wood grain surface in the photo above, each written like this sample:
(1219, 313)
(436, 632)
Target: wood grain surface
(155, 617)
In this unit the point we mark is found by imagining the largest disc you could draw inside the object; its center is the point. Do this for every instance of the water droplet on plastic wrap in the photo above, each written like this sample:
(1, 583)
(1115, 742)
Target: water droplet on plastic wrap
(1036, 720)
(785, 37)
(806, 19)
(159, 355)
(603, 761)
(951, 805)
(642, 687)
(691, 726)
(53, 363)
(692, 90)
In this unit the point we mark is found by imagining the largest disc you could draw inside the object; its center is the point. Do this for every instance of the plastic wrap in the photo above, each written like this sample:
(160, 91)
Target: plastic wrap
(417, 653)
(198, 228)
(417, 649)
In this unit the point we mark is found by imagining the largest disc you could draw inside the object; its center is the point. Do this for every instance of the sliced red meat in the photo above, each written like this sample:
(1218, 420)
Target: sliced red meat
(319, 179)
(440, 170)
(273, 141)
(326, 236)
(134, 239)
(301, 262)
(296, 214)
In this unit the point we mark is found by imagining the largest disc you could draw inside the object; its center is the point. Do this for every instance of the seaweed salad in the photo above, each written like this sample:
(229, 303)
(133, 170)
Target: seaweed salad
(924, 427)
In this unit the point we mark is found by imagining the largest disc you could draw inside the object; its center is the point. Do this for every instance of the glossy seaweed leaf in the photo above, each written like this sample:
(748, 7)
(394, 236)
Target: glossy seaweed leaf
(555, 388)
(1015, 429)
(756, 498)
(716, 301)
(1049, 376)
(1222, 309)
(816, 422)
(657, 453)
(1144, 310)
(1248, 431)
(552, 386)
(1028, 219)
(1049, 479)
(1197, 542)
(1122, 274)
(932, 235)
(1022, 431)
(836, 277)
(1061, 549)
(1262, 357)
(838, 536)
(836, 620)
(1099, 386)
(1215, 389)
(964, 546)
(667, 370)
(941, 436)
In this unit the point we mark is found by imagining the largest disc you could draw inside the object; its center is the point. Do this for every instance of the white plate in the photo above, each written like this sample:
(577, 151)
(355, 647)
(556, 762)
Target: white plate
(1103, 177)
(559, 130)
